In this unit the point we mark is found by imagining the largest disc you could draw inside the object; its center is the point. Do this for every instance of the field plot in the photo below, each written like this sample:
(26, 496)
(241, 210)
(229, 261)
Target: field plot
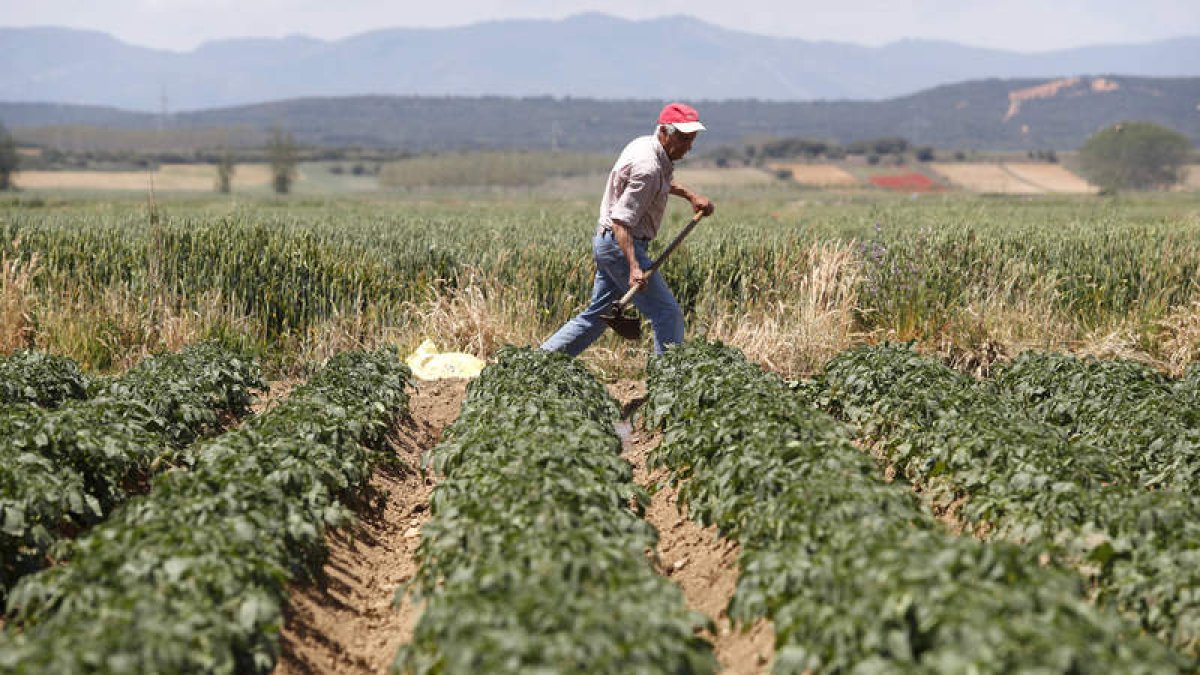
(986, 178)
(533, 558)
(169, 177)
(910, 181)
(819, 175)
(853, 573)
(294, 277)
(1191, 177)
(1051, 177)
(223, 533)
(1093, 463)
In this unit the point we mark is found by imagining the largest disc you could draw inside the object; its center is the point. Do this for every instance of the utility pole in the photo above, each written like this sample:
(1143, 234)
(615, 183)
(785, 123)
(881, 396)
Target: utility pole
(555, 132)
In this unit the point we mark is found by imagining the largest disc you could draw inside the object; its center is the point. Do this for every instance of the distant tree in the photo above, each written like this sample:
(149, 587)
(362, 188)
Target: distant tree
(1134, 156)
(9, 159)
(890, 145)
(726, 155)
(925, 153)
(225, 170)
(281, 153)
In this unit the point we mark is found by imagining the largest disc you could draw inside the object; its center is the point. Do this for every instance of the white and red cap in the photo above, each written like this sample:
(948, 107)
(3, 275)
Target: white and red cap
(682, 116)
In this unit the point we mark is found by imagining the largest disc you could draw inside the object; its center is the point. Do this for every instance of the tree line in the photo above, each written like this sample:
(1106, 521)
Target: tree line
(1125, 156)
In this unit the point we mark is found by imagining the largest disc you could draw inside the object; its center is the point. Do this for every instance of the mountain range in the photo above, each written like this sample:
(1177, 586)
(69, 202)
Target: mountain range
(586, 56)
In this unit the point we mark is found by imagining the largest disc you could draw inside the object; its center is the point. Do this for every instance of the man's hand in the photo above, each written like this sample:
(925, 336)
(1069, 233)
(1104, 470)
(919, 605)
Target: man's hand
(700, 203)
(637, 278)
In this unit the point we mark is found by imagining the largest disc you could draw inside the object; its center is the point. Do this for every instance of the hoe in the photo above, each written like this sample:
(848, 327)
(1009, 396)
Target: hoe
(629, 326)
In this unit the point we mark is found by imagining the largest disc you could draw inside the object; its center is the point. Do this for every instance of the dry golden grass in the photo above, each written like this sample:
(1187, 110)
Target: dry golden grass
(819, 175)
(986, 178)
(16, 277)
(999, 321)
(791, 335)
(482, 315)
(477, 318)
(794, 335)
(169, 177)
(1180, 338)
(123, 326)
(1051, 177)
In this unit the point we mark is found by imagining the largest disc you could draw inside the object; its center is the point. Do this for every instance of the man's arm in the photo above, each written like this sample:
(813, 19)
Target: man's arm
(625, 241)
(700, 203)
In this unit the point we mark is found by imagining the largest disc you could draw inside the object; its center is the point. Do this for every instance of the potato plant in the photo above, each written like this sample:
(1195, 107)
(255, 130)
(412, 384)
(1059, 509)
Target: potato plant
(191, 577)
(63, 469)
(46, 380)
(534, 559)
(855, 575)
(1090, 462)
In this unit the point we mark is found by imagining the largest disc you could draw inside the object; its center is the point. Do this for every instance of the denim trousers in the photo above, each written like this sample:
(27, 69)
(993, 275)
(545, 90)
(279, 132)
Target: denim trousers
(654, 301)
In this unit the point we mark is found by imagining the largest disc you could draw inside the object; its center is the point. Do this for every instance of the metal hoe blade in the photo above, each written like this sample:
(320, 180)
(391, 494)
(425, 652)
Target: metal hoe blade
(628, 326)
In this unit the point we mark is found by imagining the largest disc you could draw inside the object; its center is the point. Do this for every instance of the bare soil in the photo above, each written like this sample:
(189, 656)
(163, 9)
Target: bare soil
(277, 391)
(169, 177)
(347, 622)
(701, 562)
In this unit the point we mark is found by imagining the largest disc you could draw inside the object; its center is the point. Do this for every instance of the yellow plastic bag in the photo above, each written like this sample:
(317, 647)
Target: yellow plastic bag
(428, 364)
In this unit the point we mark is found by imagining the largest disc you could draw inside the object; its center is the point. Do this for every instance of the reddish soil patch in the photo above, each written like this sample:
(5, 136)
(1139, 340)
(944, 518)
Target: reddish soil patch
(698, 560)
(906, 182)
(346, 623)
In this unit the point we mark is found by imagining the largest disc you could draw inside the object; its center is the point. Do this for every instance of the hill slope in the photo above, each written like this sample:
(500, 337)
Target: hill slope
(990, 114)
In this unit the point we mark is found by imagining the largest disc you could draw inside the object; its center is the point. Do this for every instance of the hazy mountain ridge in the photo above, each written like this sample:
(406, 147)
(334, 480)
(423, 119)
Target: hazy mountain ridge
(677, 57)
(1048, 114)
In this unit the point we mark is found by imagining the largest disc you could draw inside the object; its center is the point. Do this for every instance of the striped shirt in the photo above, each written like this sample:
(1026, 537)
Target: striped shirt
(637, 189)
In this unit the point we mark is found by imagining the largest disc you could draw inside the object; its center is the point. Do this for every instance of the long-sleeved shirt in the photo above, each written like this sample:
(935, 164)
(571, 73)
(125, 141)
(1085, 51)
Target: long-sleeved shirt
(637, 189)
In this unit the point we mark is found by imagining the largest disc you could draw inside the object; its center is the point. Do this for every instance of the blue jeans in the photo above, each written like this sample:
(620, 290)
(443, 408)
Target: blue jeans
(654, 301)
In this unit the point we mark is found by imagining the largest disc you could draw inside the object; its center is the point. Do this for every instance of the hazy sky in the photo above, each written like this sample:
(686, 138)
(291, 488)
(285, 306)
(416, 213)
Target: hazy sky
(1021, 25)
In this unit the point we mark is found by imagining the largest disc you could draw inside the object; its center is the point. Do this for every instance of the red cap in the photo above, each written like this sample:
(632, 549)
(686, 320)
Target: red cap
(683, 116)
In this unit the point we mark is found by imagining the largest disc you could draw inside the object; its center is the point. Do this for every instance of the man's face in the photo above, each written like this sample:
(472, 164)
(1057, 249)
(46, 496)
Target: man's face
(678, 144)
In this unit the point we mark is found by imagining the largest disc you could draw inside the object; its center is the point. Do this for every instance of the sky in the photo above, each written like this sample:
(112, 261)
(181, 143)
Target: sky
(1017, 25)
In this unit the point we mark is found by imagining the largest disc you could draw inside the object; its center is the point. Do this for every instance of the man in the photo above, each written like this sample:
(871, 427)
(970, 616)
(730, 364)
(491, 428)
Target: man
(631, 212)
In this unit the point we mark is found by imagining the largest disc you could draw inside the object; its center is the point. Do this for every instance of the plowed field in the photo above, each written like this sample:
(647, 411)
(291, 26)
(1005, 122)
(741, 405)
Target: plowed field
(988, 178)
(171, 177)
(1051, 177)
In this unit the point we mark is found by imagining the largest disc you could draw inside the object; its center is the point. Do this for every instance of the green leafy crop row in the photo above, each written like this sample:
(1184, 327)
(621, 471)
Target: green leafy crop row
(534, 559)
(64, 469)
(28, 376)
(852, 571)
(1146, 423)
(1091, 462)
(191, 577)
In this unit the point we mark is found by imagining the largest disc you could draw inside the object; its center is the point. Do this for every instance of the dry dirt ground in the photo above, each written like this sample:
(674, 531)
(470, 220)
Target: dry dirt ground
(346, 623)
(169, 177)
(701, 563)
